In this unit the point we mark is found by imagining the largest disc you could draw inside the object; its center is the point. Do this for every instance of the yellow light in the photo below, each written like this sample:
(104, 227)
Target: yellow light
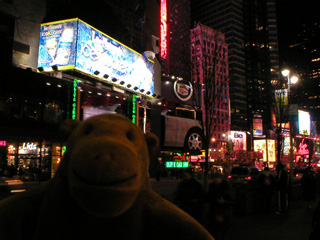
(213, 139)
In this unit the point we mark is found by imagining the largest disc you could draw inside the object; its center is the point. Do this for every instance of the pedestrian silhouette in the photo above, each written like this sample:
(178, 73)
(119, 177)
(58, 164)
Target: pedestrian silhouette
(283, 186)
(309, 186)
(190, 196)
(220, 198)
(266, 183)
(315, 232)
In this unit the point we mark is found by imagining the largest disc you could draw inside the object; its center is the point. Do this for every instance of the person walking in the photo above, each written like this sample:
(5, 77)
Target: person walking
(309, 186)
(220, 198)
(283, 185)
(266, 183)
(315, 232)
(190, 196)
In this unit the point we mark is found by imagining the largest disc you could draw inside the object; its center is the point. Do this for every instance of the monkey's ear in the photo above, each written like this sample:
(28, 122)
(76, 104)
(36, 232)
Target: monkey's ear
(66, 128)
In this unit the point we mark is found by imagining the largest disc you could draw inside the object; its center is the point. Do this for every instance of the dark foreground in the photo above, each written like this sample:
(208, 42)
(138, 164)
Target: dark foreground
(247, 223)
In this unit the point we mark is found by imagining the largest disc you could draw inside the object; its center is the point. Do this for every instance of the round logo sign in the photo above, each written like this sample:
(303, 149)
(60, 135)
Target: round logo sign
(183, 90)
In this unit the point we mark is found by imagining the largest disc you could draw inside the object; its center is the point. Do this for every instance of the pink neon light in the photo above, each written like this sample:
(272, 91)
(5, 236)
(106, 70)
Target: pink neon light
(3, 143)
(303, 148)
(163, 29)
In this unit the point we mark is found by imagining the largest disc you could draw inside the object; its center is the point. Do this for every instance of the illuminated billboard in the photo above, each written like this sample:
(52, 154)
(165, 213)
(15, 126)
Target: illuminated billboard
(257, 126)
(57, 45)
(304, 122)
(73, 44)
(239, 140)
(163, 29)
(270, 149)
(177, 164)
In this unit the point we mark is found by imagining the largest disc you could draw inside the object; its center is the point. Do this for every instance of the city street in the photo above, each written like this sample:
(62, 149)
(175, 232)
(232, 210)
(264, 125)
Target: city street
(293, 225)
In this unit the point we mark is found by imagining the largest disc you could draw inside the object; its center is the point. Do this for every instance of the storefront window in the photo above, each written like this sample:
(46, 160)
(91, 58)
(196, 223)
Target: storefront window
(57, 155)
(97, 102)
(12, 150)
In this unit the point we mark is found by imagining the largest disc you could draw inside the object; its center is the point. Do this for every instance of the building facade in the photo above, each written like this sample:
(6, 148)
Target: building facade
(251, 34)
(40, 89)
(209, 54)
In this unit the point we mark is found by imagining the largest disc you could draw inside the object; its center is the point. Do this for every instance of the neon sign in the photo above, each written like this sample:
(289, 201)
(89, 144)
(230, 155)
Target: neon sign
(134, 106)
(29, 146)
(177, 164)
(3, 143)
(303, 148)
(163, 29)
(74, 99)
(64, 149)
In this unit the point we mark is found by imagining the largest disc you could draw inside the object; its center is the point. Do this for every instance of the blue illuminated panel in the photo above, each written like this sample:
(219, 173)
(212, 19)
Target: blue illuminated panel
(73, 44)
(57, 45)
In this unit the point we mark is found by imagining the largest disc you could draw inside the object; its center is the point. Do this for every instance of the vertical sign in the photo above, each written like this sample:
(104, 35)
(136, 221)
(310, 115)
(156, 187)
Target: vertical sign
(134, 107)
(257, 125)
(57, 44)
(163, 29)
(304, 122)
(74, 99)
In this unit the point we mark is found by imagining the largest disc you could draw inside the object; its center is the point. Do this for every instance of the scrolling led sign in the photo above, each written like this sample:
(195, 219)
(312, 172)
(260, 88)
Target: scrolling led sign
(163, 29)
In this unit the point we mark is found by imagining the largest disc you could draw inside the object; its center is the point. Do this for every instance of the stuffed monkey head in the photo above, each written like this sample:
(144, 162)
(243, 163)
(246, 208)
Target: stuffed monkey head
(106, 163)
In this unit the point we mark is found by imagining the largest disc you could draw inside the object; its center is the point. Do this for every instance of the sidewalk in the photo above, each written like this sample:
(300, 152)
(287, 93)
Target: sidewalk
(294, 225)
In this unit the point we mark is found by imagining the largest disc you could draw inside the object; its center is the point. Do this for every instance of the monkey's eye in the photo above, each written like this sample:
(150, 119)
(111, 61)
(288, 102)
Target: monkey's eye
(88, 129)
(130, 135)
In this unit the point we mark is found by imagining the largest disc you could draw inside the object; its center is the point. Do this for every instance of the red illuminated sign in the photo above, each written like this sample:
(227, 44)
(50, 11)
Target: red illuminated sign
(3, 143)
(303, 148)
(163, 29)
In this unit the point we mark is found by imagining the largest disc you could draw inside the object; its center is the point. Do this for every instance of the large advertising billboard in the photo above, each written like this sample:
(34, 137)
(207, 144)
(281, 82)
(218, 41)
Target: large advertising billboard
(269, 151)
(57, 45)
(73, 44)
(239, 140)
(304, 122)
(257, 125)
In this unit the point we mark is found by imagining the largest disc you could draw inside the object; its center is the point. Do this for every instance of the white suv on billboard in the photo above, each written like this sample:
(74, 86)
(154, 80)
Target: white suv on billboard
(183, 132)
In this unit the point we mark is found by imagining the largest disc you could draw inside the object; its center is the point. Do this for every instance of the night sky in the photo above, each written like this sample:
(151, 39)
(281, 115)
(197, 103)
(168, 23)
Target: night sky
(291, 15)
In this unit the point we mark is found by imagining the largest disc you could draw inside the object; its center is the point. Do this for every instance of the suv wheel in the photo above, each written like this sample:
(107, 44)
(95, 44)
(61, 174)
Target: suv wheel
(194, 140)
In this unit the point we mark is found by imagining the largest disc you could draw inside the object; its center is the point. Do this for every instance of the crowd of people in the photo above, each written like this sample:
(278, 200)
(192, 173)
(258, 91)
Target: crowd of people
(214, 208)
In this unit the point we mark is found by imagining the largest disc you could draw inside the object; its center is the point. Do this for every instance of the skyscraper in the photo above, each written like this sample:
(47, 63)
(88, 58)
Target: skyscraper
(209, 54)
(251, 34)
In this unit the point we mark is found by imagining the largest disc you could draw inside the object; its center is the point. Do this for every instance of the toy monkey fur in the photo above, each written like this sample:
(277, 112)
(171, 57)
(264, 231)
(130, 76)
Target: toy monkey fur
(100, 191)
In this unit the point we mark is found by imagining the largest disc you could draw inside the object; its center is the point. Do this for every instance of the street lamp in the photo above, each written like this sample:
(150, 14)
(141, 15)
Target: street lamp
(292, 80)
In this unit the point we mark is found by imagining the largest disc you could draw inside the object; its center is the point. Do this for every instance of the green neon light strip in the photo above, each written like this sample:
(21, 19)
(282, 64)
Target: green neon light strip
(177, 164)
(64, 148)
(134, 106)
(74, 99)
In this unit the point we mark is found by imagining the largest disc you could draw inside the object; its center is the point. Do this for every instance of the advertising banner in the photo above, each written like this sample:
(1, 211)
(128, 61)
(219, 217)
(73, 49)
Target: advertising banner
(257, 126)
(304, 122)
(73, 44)
(57, 44)
(239, 140)
(270, 149)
